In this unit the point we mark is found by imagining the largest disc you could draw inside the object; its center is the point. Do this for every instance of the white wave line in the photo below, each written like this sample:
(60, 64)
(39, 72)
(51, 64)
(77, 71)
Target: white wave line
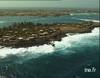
(90, 20)
(45, 49)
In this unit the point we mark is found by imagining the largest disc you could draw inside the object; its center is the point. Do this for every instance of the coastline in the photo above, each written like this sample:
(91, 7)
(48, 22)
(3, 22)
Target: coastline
(66, 42)
(44, 11)
(29, 34)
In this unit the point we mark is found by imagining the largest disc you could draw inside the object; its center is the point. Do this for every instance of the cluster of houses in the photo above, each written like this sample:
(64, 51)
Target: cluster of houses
(27, 38)
(28, 34)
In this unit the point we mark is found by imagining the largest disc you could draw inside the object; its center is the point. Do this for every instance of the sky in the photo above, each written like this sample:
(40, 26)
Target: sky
(50, 3)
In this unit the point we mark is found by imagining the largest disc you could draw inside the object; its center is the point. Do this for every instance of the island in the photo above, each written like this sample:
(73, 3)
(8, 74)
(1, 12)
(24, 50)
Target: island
(27, 34)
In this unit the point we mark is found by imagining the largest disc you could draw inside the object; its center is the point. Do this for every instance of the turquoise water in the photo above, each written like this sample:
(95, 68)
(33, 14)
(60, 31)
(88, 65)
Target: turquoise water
(67, 59)
(73, 18)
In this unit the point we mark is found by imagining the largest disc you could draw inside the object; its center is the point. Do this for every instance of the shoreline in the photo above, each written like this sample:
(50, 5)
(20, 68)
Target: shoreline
(44, 11)
(28, 34)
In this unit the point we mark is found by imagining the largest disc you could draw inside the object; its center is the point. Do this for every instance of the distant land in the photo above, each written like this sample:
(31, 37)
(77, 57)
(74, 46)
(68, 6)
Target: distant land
(44, 11)
(28, 34)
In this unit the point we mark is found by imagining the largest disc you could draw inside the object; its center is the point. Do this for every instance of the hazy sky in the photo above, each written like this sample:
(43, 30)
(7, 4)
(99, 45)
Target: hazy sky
(55, 3)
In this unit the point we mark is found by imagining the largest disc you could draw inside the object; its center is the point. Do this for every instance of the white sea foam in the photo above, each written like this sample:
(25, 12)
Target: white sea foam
(22, 51)
(83, 13)
(2, 21)
(70, 41)
(98, 21)
(45, 49)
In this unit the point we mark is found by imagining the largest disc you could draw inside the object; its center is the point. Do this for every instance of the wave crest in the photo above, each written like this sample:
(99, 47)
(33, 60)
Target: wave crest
(67, 42)
(98, 21)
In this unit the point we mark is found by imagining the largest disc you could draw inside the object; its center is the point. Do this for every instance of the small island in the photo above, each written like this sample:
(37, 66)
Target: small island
(28, 34)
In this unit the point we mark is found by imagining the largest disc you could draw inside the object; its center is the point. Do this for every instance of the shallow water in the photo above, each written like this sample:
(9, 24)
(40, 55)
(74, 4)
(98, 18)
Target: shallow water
(73, 18)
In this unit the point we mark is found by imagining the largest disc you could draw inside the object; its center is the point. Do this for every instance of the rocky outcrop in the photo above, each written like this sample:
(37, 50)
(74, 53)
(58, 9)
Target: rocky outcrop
(28, 34)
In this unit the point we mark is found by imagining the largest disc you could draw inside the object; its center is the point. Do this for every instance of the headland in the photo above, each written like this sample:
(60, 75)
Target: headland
(29, 34)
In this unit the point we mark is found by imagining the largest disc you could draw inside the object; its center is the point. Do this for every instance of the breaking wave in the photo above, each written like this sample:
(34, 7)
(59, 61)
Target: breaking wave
(84, 14)
(65, 44)
(78, 40)
(2, 21)
(98, 21)
(44, 49)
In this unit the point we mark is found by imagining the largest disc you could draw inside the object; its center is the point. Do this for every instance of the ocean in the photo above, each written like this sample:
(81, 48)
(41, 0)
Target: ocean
(73, 18)
(75, 56)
